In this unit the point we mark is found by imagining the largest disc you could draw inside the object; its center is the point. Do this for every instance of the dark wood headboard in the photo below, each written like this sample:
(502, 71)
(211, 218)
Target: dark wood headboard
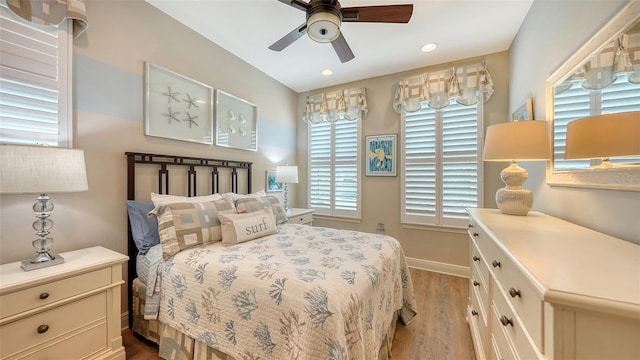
(189, 166)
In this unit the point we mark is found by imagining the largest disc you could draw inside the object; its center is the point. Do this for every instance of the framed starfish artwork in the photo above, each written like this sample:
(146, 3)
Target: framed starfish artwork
(236, 122)
(381, 155)
(176, 107)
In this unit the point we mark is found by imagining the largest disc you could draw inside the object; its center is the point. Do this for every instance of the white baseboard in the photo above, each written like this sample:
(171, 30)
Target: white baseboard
(443, 268)
(124, 320)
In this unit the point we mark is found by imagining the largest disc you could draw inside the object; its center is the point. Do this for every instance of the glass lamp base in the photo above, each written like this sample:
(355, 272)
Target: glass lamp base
(28, 265)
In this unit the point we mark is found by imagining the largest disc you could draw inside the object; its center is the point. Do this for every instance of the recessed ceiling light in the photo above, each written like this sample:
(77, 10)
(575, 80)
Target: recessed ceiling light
(429, 47)
(326, 72)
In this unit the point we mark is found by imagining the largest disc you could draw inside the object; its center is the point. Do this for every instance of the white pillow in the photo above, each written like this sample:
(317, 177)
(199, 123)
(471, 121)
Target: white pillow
(237, 228)
(234, 196)
(159, 199)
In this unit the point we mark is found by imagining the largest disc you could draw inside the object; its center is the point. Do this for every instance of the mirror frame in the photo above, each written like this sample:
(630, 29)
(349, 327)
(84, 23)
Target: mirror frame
(627, 179)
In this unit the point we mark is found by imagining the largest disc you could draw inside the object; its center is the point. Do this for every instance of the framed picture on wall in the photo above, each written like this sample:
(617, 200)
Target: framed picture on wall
(236, 122)
(381, 155)
(177, 107)
(524, 112)
(272, 185)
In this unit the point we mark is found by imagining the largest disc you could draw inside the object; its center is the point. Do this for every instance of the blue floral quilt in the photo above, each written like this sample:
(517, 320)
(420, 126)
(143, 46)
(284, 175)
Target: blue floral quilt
(303, 293)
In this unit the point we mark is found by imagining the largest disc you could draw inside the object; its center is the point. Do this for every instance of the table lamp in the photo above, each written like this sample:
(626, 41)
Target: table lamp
(603, 137)
(516, 141)
(41, 170)
(286, 174)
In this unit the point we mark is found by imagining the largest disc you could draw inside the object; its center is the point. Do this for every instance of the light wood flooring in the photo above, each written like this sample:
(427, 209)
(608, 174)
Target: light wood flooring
(439, 332)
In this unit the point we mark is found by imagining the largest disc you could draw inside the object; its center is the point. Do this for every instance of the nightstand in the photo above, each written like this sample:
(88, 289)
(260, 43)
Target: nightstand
(301, 216)
(66, 311)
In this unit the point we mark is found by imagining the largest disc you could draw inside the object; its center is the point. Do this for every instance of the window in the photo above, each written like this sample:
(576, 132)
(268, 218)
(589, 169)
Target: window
(35, 82)
(442, 169)
(334, 168)
(578, 102)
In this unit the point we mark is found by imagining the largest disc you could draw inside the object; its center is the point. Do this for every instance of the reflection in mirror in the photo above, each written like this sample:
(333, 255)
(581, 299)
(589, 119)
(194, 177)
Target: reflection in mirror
(603, 77)
(607, 83)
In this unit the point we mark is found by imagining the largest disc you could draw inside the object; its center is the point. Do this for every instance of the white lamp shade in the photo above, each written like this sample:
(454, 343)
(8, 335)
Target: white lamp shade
(517, 141)
(604, 136)
(287, 174)
(41, 170)
(323, 27)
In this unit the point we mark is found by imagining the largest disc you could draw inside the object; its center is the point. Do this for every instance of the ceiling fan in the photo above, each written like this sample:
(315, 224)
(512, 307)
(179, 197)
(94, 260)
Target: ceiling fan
(324, 18)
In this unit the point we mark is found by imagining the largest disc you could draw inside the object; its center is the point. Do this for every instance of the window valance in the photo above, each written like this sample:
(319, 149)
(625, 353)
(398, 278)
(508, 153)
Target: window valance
(52, 12)
(464, 84)
(347, 104)
(621, 56)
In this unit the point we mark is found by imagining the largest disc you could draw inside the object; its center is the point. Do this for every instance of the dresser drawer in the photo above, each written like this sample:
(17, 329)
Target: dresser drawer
(513, 331)
(38, 296)
(20, 335)
(479, 267)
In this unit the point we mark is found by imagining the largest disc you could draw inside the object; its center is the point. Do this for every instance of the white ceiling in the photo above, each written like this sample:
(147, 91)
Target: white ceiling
(246, 28)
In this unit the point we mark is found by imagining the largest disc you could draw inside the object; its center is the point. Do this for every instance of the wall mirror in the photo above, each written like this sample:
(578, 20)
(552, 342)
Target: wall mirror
(602, 77)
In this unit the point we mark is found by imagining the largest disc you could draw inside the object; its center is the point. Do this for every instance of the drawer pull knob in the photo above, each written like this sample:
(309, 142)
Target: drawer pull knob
(476, 258)
(43, 329)
(470, 226)
(44, 295)
(475, 283)
(513, 292)
(474, 313)
(506, 321)
(495, 263)
(475, 234)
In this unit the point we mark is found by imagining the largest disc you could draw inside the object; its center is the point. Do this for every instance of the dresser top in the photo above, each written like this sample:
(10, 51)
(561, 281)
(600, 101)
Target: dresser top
(570, 264)
(12, 277)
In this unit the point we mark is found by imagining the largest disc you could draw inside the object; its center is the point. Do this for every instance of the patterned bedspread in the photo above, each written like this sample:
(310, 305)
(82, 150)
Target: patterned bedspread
(304, 293)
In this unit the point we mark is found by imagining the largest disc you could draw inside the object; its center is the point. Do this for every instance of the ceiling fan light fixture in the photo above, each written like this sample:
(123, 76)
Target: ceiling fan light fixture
(323, 27)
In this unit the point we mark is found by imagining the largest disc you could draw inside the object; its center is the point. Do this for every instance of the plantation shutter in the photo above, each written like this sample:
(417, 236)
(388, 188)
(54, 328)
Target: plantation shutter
(578, 102)
(442, 168)
(35, 72)
(334, 168)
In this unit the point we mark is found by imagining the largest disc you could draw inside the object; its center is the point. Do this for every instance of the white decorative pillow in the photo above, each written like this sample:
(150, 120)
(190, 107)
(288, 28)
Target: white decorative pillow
(160, 199)
(237, 228)
(234, 196)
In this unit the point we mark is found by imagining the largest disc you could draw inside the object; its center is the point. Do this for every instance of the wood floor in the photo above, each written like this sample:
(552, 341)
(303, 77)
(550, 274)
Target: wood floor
(439, 332)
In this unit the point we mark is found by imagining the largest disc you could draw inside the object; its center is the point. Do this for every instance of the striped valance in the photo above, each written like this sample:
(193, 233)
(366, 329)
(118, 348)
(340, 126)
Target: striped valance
(52, 12)
(465, 85)
(347, 104)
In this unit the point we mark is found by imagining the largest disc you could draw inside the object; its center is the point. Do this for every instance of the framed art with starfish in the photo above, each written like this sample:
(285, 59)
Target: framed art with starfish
(177, 107)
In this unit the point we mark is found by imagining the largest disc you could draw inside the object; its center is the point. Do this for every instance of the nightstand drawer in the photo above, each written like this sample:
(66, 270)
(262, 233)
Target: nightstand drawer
(301, 219)
(90, 341)
(38, 296)
(25, 333)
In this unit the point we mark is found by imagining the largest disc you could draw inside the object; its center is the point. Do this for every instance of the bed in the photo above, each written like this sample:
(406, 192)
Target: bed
(240, 283)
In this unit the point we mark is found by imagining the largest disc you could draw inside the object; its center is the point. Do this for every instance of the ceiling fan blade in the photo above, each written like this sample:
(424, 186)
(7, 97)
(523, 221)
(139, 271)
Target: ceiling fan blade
(342, 49)
(288, 39)
(300, 5)
(382, 13)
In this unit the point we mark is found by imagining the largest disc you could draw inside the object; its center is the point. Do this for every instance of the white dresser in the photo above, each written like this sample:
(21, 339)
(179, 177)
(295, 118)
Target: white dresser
(66, 311)
(301, 216)
(544, 288)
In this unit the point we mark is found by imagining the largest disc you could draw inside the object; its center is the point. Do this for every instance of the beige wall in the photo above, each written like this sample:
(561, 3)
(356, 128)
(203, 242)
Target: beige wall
(380, 199)
(108, 101)
(551, 33)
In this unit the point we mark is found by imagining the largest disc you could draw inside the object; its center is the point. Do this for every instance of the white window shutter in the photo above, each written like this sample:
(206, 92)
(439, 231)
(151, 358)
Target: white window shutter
(334, 168)
(442, 173)
(35, 82)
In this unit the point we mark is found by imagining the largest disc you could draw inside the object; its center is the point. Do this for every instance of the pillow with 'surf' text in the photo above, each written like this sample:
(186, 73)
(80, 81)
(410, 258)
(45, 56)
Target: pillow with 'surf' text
(237, 228)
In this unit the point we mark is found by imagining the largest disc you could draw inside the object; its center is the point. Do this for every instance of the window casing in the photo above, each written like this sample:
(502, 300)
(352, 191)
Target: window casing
(442, 172)
(35, 82)
(578, 102)
(334, 168)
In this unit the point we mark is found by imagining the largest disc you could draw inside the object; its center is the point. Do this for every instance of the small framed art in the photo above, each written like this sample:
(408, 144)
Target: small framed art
(236, 122)
(380, 154)
(176, 107)
(272, 185)
(524, 112)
